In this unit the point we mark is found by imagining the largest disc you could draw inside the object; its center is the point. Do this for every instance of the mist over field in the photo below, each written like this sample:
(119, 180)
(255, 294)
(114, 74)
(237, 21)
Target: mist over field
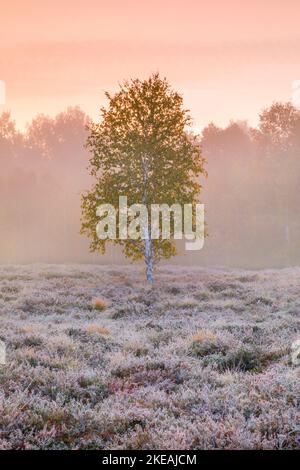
(250, 195)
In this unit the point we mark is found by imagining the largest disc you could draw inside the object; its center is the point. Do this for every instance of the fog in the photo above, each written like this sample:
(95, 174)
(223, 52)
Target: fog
(250, 194)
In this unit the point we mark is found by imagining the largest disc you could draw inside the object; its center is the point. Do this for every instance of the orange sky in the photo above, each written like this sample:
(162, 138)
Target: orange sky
(229, 58)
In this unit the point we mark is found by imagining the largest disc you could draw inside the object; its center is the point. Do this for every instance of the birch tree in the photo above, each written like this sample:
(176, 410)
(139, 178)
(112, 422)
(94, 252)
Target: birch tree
(141, 149)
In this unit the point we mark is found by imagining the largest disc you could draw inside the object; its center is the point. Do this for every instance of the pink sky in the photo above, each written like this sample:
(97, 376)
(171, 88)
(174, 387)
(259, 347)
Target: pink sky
(229, 58)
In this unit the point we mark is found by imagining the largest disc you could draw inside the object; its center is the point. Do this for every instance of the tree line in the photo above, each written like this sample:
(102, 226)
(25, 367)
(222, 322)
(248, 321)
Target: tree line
(251, 193)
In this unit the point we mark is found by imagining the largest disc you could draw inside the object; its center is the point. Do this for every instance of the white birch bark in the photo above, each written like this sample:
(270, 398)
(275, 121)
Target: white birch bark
(148, 254)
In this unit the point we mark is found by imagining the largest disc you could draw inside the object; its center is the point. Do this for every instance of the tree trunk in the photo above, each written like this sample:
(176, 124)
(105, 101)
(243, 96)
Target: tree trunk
(148, 256)
(147, 232)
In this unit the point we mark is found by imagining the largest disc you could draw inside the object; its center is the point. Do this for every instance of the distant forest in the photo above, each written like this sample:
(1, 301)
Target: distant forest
(251, 193)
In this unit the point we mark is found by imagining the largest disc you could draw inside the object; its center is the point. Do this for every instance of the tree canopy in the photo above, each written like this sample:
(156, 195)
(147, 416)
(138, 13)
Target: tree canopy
(141, 149)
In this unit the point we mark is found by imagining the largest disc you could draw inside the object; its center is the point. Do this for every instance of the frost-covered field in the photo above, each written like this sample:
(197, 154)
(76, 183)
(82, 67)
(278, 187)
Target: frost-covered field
(200, 361)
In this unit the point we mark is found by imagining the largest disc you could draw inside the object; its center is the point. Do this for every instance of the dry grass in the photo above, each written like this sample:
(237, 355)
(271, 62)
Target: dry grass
(99, 304)
(28, 329)
(203, 335)
(98, 329)
(201, 360)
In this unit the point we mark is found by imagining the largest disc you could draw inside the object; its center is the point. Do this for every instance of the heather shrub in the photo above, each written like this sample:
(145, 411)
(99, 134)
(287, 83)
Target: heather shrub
(186, 302)
(205, 343)
(242, 360)
(137, 348)
(196, 362)
(202, 296)
(129, 308)
(33, 341)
